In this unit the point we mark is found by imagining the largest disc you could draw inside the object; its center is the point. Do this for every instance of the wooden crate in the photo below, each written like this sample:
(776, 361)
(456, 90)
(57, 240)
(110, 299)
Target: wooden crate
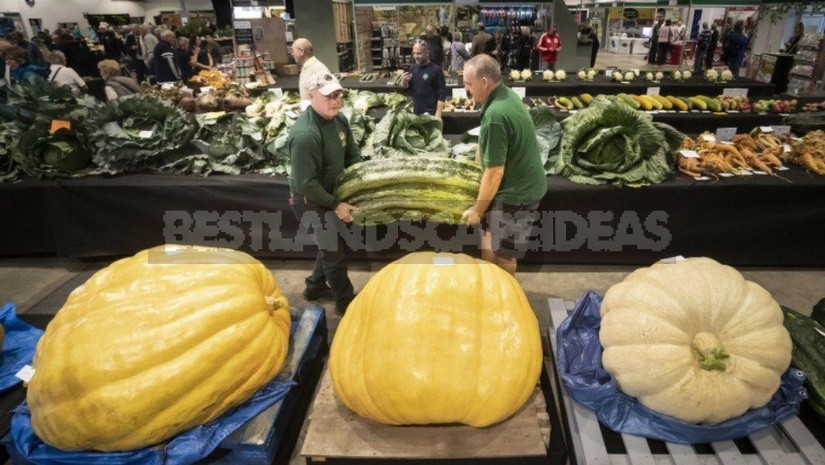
(337, 435)
(791, 443)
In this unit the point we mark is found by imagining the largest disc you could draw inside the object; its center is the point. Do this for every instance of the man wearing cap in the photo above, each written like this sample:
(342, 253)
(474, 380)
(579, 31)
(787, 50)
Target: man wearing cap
(425, 82)
(304, 54)
(320, 147)
(513, 182)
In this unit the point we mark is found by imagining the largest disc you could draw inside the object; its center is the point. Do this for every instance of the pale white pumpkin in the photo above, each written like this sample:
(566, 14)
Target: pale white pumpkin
(694, 340)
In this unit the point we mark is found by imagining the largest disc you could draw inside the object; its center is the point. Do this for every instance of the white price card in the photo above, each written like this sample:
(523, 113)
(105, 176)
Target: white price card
(167, 86)
(786, 148)
(733, 111)
(702, 178)
(766, 128)
(206, 89)
(688, 153)
(672, 260)
(145, 134)
(25, 373)
(459, 93)
(726, 142)
(734, 92)
(782, 168)
(781, 130)
(725, 133)
(653, 90)
(443, 261)
(609, 72)
(520, 91)
(708, 138)
(761, 173)
(726, 175)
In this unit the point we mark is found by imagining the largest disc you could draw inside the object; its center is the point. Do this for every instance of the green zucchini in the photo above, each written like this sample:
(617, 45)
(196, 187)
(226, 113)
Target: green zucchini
(438, 189)
(809, 355)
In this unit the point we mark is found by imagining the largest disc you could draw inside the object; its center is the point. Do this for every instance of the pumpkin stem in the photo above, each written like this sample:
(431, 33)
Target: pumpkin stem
(709, 352)
(271, 302)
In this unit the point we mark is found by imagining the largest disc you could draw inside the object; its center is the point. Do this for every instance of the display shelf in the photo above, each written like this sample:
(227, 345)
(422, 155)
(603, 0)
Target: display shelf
(808, 65)
(794, 441)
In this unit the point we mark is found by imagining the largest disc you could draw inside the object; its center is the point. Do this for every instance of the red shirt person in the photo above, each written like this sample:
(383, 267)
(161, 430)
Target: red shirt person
(549, 46)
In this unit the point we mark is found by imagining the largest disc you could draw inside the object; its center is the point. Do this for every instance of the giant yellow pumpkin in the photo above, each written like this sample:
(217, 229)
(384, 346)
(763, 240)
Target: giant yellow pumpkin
(694, 340)
(426, 344)
(156, 344)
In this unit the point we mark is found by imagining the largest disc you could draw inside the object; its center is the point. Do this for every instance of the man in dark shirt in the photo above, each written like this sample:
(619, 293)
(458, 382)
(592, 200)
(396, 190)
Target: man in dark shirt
(426, 83)
(163, 57)
(435, 46)
(320, 147)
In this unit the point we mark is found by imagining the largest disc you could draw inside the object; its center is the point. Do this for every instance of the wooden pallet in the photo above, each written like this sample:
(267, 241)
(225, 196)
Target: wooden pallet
(790, 443)
(339, 436)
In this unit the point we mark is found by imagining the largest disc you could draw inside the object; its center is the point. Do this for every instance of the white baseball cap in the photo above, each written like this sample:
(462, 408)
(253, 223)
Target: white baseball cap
(325, 83)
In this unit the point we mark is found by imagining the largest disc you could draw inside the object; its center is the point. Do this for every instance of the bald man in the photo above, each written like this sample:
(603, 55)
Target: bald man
(425, 82)
(304, 54)
(513, 182)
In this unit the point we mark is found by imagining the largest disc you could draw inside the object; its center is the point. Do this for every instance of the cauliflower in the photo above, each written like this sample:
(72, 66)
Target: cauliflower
(649, 76)
(712, 75)
(591, 74)
(726, 75)
(515, 75)
(582, 75)
(561, 75)
(617, 75)
(547, 75)
(628, 76)
(677, 75)
(660, 76)
(526, 74)
(686, 75)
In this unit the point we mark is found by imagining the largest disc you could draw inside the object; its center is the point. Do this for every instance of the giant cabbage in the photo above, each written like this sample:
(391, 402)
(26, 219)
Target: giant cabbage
(401, 133)
(42, 153)
(611, 143)
(135, 134)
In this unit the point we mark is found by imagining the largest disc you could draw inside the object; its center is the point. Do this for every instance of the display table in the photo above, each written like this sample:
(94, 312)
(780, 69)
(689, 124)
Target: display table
(571, 86)
(747, 220)
(691, 122)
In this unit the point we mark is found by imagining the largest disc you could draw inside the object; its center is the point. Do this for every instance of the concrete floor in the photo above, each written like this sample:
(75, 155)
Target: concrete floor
(608, 60)
(26, 281)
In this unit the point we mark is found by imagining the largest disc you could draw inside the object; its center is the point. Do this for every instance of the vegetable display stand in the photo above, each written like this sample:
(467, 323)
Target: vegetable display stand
(336, 435)
(696, 85)
(271, 436)
(791, 442)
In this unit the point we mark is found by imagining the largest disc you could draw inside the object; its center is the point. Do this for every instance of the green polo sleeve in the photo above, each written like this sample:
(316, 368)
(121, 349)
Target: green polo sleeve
(306, 157)
(492, 141)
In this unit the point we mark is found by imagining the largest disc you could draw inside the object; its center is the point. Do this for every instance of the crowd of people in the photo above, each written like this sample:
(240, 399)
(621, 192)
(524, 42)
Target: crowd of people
(133, 54)
(732, 39)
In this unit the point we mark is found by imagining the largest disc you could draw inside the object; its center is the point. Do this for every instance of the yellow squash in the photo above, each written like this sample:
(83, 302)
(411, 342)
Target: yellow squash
(426, 344)
(156, 344)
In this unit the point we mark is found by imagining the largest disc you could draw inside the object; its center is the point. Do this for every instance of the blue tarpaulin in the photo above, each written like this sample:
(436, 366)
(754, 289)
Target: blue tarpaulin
(579, 357)
(18, 347)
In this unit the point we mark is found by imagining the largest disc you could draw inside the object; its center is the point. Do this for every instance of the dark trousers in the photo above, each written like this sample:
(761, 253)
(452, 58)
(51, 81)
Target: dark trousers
(651, 55)
(709, 58)
(330, 261)
(140, 70)
(661, 53)
(593, 52)
(699, 59)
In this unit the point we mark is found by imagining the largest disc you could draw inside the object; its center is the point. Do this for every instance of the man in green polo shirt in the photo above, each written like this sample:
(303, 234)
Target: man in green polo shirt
(513, 182)
(320, 147)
